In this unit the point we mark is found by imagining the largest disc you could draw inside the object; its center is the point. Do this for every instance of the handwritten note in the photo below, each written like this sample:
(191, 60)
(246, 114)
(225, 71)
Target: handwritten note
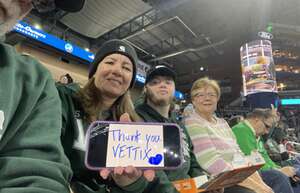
(140, 146)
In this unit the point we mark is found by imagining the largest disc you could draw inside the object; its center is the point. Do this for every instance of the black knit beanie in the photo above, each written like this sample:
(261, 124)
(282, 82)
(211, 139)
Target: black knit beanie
(70, 5)
(112, 47)
(44, 6)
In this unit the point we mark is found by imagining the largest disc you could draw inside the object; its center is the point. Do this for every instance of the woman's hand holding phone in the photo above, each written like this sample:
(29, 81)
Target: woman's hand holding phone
(124, 176)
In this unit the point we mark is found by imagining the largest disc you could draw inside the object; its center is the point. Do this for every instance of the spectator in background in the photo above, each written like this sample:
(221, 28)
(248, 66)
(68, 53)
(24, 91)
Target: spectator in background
(214, 143)
(188, 110)
(66, 79)
(31, 156)
(275, 147)
(248, 134)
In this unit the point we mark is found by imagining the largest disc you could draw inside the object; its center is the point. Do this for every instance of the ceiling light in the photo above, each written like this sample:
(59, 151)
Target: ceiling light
(281, 85)
(37, 26)
(201, 68)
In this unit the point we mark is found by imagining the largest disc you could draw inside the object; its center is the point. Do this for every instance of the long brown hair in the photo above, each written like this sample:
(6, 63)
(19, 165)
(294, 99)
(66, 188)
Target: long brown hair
(90, 98)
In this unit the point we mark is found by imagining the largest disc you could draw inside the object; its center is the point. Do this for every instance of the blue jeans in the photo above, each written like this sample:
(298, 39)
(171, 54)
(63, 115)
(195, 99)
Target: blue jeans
(277, 180)
(296, 188)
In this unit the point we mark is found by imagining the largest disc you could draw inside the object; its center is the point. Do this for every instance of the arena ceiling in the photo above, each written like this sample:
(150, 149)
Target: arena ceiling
(195, 37)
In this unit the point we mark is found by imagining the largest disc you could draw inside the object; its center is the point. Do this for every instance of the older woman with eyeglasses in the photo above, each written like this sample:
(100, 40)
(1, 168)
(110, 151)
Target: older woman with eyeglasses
(214, 142)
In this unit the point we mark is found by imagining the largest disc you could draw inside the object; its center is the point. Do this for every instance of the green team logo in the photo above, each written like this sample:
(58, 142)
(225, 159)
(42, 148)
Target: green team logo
(1, 123)
(122, 49)
(79, 142)
(260, 146)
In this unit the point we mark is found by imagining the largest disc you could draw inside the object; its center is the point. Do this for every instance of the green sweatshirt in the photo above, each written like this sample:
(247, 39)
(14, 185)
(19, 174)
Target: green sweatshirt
(247, 141)
(190, 167)
(31, 156)
(73, 139)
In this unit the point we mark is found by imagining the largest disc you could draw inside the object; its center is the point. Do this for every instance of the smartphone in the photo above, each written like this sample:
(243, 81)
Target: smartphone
(142, 145)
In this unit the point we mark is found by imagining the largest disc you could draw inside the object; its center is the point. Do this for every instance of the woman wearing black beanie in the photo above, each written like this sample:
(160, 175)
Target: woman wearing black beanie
(105, 97)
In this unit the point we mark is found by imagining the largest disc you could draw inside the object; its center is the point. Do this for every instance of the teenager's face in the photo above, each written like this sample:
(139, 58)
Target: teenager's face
(160, 90)
(11, 11)
(113, 75)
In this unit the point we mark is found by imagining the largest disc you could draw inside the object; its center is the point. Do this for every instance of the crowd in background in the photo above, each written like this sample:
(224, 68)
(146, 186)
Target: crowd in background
(42, 125)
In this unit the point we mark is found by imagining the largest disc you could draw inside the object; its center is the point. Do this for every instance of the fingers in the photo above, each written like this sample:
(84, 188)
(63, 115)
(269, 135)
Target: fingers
(118, 170)
(129, 171)
(272, 107)
(104, 173)
(274, 110)
(125, 118)
(296, 178)
(133, 172)
(149, 175)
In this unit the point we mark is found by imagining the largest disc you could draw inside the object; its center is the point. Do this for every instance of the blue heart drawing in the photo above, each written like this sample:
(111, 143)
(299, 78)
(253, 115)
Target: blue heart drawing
(155, 160)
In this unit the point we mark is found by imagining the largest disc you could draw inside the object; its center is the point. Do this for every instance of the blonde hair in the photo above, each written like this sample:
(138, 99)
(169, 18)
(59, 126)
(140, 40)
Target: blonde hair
(90, 97)
(204, 83)
(264, 114)
(261, 113)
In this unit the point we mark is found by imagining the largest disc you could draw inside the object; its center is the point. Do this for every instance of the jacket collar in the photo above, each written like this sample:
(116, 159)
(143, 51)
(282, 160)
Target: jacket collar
(154, 114)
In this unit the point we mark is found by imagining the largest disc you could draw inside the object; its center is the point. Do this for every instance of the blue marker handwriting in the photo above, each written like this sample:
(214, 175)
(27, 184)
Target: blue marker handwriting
(118, 135)
(130, 146)
(152, 138)
(131, 152)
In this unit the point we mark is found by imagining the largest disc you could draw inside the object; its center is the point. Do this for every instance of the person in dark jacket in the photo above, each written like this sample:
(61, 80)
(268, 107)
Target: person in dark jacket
(31, 155)
(159, 94)
(104, 97)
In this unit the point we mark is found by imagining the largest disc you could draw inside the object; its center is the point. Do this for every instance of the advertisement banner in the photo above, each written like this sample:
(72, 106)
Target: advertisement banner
(258, 69)
(51, 40)
(66, 47)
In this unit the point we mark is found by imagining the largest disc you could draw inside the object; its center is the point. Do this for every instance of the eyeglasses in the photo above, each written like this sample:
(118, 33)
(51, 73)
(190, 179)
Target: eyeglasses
(268, 127)
(203, 95)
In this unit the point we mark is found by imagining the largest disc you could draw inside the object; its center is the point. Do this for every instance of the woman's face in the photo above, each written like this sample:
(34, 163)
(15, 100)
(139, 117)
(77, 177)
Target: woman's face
(113, 75)
(205, 100)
